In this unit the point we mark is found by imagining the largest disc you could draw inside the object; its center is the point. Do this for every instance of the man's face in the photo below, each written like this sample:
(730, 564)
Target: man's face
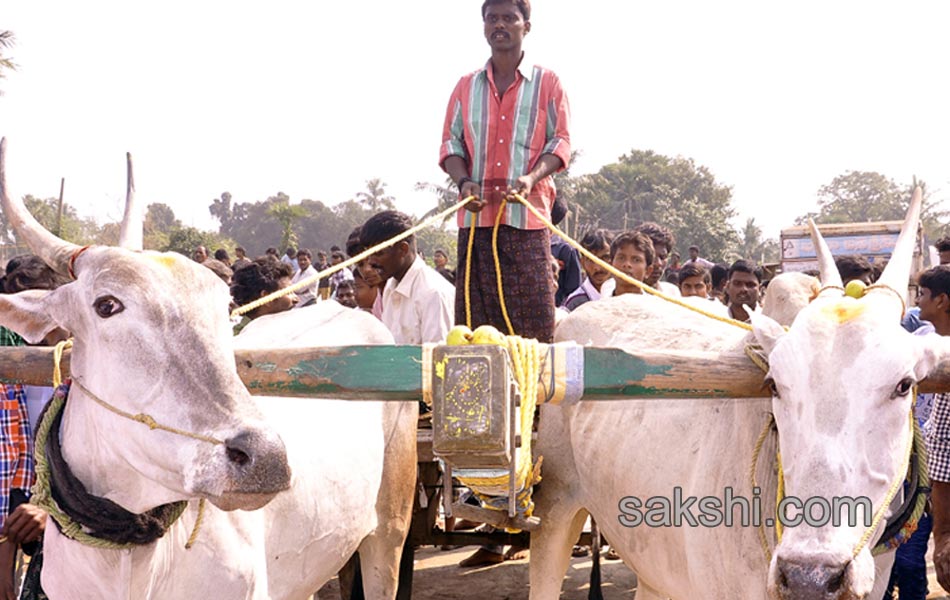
(303, 261)
(945, 257)
(388, 261)
(659, 263)
(440, 259)
(743, 288)
(693, 286)
(931, 306)
(505, 26)
(280, 304)
(346, 296)
(693, 253)
(597, 274)
(201, 254)
(371, 275)
(336, 259)
(364, 293)
(322, 259)
(239, 253)
(632, 261)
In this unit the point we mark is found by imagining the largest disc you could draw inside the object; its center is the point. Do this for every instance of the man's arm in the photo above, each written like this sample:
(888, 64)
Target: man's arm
(457, 169)
(548, 164)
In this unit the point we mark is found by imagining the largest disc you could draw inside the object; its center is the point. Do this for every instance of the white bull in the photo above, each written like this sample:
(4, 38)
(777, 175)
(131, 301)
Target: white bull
(152, 336)
(842, 374)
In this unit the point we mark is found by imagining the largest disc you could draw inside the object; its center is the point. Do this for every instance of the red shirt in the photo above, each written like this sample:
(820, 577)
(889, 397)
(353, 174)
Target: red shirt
(502, 139)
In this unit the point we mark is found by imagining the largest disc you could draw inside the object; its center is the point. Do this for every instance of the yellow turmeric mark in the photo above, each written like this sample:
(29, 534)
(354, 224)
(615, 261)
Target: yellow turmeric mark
(845, 310)
(166, 260)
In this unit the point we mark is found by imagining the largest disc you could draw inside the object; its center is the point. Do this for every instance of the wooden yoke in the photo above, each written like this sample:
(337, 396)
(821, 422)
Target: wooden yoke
(394, 373)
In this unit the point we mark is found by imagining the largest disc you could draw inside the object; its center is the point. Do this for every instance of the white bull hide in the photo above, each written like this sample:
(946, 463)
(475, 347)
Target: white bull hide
(598, 453)
(152, 336)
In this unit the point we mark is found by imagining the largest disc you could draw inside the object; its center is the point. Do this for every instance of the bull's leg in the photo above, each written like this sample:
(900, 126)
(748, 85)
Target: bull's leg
(380, 551)
(551, 550)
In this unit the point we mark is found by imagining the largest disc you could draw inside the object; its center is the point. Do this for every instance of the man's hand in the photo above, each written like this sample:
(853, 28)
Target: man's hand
(470, 188)
(523, 186)
(25, 524)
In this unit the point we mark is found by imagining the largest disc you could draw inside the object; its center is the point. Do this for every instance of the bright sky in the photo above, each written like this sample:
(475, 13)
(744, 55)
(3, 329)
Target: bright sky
(313, 98)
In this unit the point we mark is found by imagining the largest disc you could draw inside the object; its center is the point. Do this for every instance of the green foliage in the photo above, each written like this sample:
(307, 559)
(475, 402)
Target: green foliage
(184, 240)
(645, 186)
(753, 247)
(861, 196)
(287, 215)
(430, 239)
(7, 40)
(74, 229)
(375, 198)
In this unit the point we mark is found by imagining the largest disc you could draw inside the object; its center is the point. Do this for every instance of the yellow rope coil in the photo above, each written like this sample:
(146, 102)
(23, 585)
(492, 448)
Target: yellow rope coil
(526, 357)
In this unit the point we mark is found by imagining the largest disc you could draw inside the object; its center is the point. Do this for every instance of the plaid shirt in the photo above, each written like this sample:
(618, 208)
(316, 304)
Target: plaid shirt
(502, 139)
(16, 446)
(937, 431)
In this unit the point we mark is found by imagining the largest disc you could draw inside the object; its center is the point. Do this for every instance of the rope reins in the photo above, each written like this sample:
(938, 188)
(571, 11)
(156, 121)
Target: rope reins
(42, 495)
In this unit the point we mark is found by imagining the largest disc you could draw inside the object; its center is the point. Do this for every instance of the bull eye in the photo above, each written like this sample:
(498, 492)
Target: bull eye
(770, 384)
(904, 387)
(107, 306)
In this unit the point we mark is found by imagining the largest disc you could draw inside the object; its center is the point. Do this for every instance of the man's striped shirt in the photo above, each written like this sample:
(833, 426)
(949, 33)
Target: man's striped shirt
(502, 139)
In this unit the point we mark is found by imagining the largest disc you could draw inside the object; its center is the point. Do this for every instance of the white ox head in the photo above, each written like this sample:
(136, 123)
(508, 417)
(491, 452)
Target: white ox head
(151, 335)
(843, 378)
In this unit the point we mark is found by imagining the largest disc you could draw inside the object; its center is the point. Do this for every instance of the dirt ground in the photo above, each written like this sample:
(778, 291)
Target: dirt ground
(438, 577)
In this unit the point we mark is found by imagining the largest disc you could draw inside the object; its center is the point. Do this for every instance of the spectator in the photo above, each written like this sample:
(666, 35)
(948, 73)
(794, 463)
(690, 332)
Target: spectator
(694, 281)
(441, 260)
(371, 276)
(366, 295)
(854, 266)
(346, 294)
(694, 257)
(943, 249)
(222, 255)
(262, 277)
(570, 272)
(597, 243)
(323, 287)
(241, 260)
(742, 289)
(417, 301)
(718, 275)
(340, 276)
(631, 253)
(220, 269)
(663, 242)
(200, 255)
(290, 258)
(272, 252)
(672, 274)
(307, 295)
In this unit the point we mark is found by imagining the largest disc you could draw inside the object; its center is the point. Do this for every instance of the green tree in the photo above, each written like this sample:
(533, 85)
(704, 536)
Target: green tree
(159, 222)
(287, 215)
(7, 41)
(645, 186)
(221, 210)
(754, 247)
(446, 195)
(375, 197)
(184, 240)
(82, 231)
(862, 196)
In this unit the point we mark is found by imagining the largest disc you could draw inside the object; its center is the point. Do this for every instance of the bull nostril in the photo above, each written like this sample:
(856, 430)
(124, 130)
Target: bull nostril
(836, 581)
(238, 457)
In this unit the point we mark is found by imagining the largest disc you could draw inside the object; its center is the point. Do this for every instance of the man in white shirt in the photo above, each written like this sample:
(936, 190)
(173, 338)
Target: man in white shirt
(307, 295)
(418, 303)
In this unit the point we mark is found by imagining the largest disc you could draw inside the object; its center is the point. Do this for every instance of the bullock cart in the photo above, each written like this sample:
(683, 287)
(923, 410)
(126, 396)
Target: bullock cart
(602, 374)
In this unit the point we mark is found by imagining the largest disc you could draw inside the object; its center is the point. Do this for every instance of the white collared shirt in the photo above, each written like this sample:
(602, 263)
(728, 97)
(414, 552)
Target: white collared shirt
(420, 308)
(308, 293)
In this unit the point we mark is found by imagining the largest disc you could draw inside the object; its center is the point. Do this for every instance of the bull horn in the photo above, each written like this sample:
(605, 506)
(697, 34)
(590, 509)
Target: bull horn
(130, 232)
(897, 272)
(55, 252)
(828, 271)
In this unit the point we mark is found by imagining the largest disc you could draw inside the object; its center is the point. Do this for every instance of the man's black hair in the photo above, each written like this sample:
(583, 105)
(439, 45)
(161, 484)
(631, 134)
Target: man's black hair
(384, 226)
(523, 5)
(262, 275)
(597, 239)
(853, 266)
(693, 270)
(943, 244)
(353, 244)
(718, 273)
(29, 272)
(659, 234)
(936, 279)
(640, 241)
(305, 252)
(744, 266)
(222, 255)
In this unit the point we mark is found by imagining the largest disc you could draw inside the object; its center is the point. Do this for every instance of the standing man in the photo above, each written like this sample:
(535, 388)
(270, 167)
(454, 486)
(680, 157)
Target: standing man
(307, 295)
(506, 132)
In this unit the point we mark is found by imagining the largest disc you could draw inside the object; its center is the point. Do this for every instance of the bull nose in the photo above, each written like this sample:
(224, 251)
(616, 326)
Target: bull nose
(258, 462)
(811, 580)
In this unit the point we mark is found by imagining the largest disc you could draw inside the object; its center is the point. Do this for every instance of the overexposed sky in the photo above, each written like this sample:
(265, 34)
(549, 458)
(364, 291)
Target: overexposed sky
(313, 98)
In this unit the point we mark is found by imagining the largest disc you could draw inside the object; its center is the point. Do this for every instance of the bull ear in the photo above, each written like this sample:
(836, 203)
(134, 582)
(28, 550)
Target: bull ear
(767, 331)
(26, 313)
